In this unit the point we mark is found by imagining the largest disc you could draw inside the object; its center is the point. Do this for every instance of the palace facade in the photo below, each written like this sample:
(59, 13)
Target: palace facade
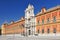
(44, 22)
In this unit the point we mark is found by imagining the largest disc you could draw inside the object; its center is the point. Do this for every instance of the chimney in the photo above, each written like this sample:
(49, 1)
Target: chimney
(43, 10)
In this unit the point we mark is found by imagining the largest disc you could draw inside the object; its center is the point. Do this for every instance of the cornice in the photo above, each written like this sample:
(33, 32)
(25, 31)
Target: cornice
(15, 22)
(49, 10)
(48, 24)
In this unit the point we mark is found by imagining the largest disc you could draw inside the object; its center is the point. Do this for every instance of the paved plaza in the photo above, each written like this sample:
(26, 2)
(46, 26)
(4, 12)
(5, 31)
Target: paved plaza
(15, 37)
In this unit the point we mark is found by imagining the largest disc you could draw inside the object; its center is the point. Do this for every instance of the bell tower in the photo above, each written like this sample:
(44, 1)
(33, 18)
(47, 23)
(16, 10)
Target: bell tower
(29, 20)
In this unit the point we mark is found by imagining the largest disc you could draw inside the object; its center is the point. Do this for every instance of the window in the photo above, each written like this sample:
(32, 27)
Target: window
(22, 25)
(54, 19)
(29, 11)
(38, 31)
(48, 20)
(38, 22)
(42, 30)
(42, 21)
(25, 18)
(23, 32)
(29, 19)
(48, 31)
(54, 30)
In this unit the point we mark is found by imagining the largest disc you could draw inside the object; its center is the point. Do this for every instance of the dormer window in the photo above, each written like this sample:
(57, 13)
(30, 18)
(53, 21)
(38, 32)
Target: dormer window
(12, 21)
(43, 10)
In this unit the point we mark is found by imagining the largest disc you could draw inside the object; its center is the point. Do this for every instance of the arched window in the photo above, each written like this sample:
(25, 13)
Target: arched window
(54, 30)
(48, 30)
(54, 19)
(42, 30)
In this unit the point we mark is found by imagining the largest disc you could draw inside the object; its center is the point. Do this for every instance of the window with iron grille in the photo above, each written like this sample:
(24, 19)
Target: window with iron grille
(54, 19)
(48, 31)
(54, 30)
(38, 31)
(48, 20)
(38, 22)
(42, 30)
(42, 21)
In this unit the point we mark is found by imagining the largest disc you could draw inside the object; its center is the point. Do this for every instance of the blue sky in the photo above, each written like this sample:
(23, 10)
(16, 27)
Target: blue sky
(14, 9)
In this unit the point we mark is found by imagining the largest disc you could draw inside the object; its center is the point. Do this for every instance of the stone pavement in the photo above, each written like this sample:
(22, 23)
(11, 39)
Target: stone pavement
(29, 37)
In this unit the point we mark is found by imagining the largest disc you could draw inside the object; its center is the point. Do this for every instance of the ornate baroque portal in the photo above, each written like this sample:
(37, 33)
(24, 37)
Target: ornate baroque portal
(29, 20)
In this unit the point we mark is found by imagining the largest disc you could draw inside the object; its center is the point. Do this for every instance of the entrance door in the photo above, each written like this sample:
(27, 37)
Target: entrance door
(29, 32)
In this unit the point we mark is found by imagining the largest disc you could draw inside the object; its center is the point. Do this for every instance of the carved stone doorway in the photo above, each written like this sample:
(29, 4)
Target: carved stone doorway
(29, 32)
